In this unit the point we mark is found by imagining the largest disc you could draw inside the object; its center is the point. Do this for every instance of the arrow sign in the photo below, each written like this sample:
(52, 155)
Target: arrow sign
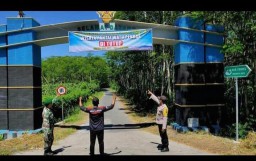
(239, 71)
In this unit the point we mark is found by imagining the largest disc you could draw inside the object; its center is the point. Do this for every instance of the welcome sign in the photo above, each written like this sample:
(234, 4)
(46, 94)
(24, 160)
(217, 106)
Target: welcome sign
(140, 39)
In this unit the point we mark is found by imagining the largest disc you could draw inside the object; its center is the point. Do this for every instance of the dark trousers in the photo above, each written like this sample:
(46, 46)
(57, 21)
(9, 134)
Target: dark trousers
(164, 137)
(100, 136)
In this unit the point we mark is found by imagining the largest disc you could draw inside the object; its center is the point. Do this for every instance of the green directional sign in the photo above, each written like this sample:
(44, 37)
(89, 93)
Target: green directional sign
(239, 71)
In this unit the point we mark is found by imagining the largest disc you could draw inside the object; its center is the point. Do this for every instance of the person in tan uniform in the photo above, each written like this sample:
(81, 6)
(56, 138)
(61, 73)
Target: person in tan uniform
(161, 120)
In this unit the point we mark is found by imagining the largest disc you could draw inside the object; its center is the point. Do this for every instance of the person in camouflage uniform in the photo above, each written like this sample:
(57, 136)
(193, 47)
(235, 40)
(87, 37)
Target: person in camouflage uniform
(48, 125)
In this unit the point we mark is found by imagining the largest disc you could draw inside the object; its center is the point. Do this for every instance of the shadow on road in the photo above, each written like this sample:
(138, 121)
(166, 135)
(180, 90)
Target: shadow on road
(107, 154)
(60, 149)
(155, 143)
(128, 126)
(114, 153)
(129, 112)
(123, 109)
(73, 127)
(110, 126)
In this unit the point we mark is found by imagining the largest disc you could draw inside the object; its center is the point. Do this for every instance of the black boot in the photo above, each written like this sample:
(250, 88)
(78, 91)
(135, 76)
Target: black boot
(160, 147)
(48, 152)
(165, 149)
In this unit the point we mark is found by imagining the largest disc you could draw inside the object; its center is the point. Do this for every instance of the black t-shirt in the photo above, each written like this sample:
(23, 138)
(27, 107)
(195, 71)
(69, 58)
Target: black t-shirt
(96, 116)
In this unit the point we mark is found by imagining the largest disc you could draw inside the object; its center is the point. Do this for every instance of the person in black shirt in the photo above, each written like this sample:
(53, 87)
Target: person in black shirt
(96, 114)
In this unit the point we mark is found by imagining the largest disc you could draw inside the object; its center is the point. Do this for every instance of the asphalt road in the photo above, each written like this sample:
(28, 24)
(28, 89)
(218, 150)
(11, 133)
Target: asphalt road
(121, 137)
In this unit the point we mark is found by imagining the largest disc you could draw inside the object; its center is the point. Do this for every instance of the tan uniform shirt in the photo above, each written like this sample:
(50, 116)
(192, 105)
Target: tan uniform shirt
(162, 112)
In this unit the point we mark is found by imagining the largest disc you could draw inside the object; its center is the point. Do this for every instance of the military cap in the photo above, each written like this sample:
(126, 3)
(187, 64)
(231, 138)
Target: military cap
(47, 101)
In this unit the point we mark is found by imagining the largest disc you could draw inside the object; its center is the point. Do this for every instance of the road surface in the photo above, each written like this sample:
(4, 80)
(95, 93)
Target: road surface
(121, 137)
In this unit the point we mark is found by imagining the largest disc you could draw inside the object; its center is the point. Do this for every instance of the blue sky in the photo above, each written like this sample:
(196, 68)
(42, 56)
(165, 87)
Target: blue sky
(53, 17)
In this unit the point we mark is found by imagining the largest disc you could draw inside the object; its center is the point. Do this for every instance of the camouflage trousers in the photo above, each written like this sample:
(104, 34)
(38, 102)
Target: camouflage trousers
(48, 139)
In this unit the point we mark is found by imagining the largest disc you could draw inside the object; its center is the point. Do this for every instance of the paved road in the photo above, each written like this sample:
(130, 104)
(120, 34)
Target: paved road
(121, 137)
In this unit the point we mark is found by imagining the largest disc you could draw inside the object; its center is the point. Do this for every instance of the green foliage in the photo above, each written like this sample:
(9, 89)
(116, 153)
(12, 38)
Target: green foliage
(114, 85)
(74, 116)
(230, 131)
(235, 46)
(70, 99)
(132, 73)
(251, 122)
(135, 72)
(75, 69)
(1, 137)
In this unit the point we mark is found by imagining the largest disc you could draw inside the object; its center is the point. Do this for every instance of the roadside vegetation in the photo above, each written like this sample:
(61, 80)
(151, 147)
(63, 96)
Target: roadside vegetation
(201, 140)
(134, 72)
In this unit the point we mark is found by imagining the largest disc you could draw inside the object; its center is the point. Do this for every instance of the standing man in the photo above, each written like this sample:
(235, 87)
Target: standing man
(48, 125)
(161, 120)
(96, 114)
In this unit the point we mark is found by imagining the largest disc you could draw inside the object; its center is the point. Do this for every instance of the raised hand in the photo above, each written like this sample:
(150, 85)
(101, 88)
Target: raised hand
(149, 92)
(80, 101)
(114, 96)
(113, 100)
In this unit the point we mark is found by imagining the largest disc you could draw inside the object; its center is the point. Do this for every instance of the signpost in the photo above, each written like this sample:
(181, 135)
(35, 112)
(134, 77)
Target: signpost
(61, 90)
(239, 71)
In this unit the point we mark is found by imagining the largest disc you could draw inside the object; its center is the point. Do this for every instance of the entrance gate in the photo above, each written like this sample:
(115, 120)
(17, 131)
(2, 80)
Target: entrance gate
(198, 67)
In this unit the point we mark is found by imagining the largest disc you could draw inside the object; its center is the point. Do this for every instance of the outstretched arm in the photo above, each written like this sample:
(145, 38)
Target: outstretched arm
(81, 105)
(112, 104)
(152, 96)
(80, 101)
(113, 100)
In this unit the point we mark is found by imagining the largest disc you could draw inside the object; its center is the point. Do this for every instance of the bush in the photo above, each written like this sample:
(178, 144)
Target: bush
(230, 131)
(70, 99)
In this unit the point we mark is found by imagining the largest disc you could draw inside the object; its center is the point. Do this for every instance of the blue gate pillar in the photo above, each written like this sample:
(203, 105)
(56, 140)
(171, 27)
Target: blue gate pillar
(24, 76)
(3, 81)
(198, 72)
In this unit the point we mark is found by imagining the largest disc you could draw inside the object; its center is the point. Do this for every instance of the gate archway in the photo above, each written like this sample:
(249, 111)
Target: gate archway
(199, 82)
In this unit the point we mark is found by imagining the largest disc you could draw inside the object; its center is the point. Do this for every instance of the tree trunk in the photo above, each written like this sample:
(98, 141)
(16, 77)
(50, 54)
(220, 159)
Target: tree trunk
(254, 87)
(169, 89)
(163, 77)
(247, 109)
